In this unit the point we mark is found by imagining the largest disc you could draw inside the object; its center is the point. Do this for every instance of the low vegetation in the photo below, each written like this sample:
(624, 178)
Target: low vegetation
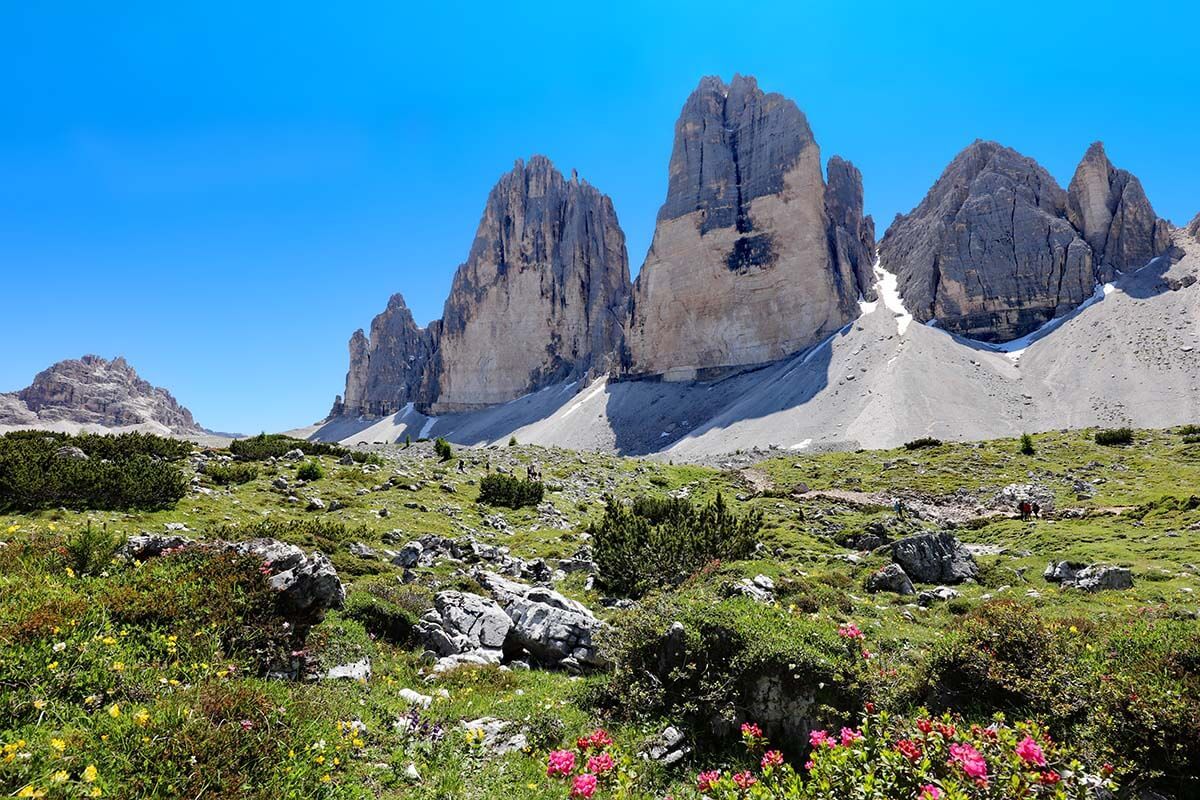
(233, 473)
(1115, 437)
(509, 491)
(922, 443)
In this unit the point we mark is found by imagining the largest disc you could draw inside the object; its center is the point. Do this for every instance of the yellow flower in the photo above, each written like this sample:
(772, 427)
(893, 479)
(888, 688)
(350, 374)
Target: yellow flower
(1073, 629)
(52, 665)
(59, 777)
(39, 704)
(95, 792)
(29, 790)
(142, 717)
(325, 778)
(108, 640)
(70, 574)
(89, 773)
(58, 744)
(114, 710)
(118, 666)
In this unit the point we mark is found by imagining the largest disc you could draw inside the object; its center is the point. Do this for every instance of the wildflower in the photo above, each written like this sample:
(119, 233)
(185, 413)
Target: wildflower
(947, 731)
(53, 665)
(751, 729)
(89, 773)
(850, 631)
(1031, 752)
(583, 786)
(114, 710)
(744, 780)
(970, 759)
(930, 792)
(870, 707)
(60, 777)
(108, 640)
(142, 717)
(70, 574)
(58, 744)
(706, 780)
(598, 739)
(819, 738)
(39, 704)
(29, 790)
(560, 763)
(808, 765)
(924, 726)
(247, 725)
(772, 758)
(118, 666)
(1107, 769)
(849, 735)
(909, 749)
(59, 647)
(600, 764)
(1049, 777)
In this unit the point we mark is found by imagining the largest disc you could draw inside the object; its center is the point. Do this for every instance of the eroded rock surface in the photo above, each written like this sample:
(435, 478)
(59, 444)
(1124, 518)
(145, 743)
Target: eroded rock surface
(934, 558)
(742, 268)
(387, 370)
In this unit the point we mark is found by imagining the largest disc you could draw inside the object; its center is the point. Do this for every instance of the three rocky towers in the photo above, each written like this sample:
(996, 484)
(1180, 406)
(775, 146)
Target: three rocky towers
(755, 256)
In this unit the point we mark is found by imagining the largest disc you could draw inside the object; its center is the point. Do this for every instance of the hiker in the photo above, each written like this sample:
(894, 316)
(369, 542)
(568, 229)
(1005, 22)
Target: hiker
(1037, 510)
(898, 507)
(1025, 510)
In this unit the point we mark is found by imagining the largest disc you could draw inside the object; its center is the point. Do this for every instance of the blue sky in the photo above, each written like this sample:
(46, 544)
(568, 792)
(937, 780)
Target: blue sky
(223, 192)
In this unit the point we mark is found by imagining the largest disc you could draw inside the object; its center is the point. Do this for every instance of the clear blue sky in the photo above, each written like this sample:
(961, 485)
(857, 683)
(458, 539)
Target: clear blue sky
(223, 192)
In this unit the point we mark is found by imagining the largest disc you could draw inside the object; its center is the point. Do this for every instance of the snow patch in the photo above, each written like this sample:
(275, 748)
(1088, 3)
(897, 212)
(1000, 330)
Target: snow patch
(426, 428)
(801, 445)
(1016, 347)
(596, 389)
(887, 287)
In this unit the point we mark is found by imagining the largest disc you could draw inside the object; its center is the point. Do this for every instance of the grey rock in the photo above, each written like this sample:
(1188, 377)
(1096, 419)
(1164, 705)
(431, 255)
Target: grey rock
(941, 593)
(71, 453)
(409, 555)
(355, 671)
(415, 698)
(462, 623)
(1093, 578)
(362, 551)
(666, 748)
(989, 253)
(315, 504)
(935, 558)
(1109, 207)
(548, 625)
(500, 737)
(891, 578)
(851, 233)
(1012, 495)
(295, 454)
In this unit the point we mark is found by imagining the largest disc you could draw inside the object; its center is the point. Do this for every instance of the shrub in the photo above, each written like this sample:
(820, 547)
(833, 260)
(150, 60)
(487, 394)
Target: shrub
(658, 542)
(1114, 436)
(91, 549)
(225, 474)
(310, 470)
(512, 441)
(1191, 438)
(443, 449)
(922, 759)
(710, 667)
(1189, 430)
(274, 445)
(1027, 448)
(388, 609)
(507, 490)
(130, 471)
(321, 533)
(922, 443)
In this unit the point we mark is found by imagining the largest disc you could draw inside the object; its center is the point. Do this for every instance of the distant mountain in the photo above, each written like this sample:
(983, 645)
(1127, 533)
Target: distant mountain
(92, 393)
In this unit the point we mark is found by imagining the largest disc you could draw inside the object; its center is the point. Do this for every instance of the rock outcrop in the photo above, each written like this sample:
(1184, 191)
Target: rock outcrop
(1193, 228)
(997, 248)
(851, 233)
(94, 391)
(746, 265)
(387, 370)
(1107, 205)
(541, 298)
(934, 558)
(989, 253)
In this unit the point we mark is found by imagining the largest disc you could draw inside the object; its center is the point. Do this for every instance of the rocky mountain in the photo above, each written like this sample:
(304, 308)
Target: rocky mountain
(753, 257)
(92, 392)
(997, 248)
(1193, 227)
(541, 298)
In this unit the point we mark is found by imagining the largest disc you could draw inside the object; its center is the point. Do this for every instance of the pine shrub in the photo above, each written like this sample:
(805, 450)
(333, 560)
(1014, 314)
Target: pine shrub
(507, 490)
(922, 443)
(1114, 436)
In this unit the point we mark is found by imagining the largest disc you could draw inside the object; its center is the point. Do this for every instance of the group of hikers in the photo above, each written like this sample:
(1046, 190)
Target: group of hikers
(1026, 508)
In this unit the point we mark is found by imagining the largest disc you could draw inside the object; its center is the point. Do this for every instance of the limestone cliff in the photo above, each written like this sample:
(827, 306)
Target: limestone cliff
(388, 369)
(746, 265)
(1107, 205)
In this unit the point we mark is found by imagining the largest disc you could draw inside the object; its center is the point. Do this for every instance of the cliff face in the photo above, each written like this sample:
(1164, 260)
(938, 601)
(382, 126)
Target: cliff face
(746, 264)
(997, 248)
(1109, 207)
(542, 297)
(94, 391)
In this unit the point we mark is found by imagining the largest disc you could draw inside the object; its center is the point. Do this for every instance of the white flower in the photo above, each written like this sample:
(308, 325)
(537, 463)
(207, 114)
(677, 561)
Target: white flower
(60, 646)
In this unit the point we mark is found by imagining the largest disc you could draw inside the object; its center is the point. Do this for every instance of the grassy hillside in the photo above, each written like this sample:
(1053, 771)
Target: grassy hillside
(128, 680)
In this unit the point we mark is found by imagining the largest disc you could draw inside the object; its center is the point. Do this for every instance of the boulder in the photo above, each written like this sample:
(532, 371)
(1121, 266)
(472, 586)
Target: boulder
(1094, 578)
(548, 625)
(71, 453)
(935, 558)
(666, 748)
(891, 578)
(409, 555)
(464, 624)
(356, 671)
(499, 737)
(1011, 496)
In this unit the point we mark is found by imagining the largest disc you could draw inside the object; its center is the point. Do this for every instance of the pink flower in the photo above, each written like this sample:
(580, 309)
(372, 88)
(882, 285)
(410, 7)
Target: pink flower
(1031, 752)
(819, 738)
(599, 739)
(751, 729)
(909, 749)
(600, 764)
(583, 786)
(1049, 777)
(850, 631)
(930, 792)
(849, 735)
(970, 759)
(808, 765)
(744, 780)
(706, 780)
(247, 725)
(772, 758)
(561, 763)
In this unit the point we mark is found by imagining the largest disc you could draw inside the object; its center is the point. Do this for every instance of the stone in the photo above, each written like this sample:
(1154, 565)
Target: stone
(409, 555)
(941, 593)
(500, 737)
(1193, 228)
(1109, 207)
(989, 253)
(891, 578)
(760, 588)
(667, 748)
(95, 391)
(315, 504)
(852, 234)
(1011, 496)
(1093, 578)
(388, 370)
(746, 266)
(463, 623)
(295, 454)
(355, 671)
(548, 625)
(362, 551)
(71, 453)
(935, 558)
(415, 698)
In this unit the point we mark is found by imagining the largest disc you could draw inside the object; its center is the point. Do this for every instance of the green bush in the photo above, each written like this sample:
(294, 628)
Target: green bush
(387, 608)
(659, 542)
(310, 470)
(443, 449)
(274, 445)
(130, 471)
(707, 669)
(922, 443)
(225, 474)
(512, 441)
(1191, 438)
(1189, 430)
(91, 549)
(1114, 436)
(506, 490)
(1027, 448)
